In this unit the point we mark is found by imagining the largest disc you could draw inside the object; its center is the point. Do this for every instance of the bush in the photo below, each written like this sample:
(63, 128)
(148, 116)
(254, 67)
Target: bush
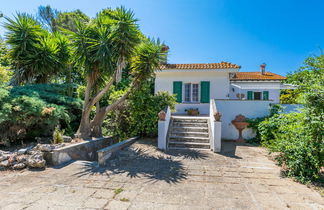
(5, 76)
(288, 135)
(255, 122)
(35, 110)
(57, 136)
(138, 116)
(299, 137)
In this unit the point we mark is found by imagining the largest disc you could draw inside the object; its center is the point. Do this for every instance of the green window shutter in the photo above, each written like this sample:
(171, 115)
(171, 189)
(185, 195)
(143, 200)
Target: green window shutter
(204, 92)
(177, 90)
(265, 95)
(249, 95)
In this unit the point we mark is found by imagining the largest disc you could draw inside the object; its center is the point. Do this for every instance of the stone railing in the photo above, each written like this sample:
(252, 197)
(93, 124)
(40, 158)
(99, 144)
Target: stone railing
(163, 126)
(215, 127)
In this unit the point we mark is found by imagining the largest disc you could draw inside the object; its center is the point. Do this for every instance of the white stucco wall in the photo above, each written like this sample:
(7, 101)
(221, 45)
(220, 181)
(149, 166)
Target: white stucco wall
(219, 81)
(274, 94)
(231, 108)
(203, 108)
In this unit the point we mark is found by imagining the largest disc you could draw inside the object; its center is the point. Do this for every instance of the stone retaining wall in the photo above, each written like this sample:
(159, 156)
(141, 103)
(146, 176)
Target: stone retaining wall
(81, 151)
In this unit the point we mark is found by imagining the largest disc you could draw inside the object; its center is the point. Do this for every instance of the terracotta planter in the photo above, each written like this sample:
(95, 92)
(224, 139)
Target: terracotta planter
(218, 116)
(192, 112)
(162, 115)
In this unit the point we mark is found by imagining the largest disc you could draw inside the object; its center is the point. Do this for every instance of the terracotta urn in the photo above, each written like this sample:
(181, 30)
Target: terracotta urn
(240, 124)
(218, 116)
(162, 115)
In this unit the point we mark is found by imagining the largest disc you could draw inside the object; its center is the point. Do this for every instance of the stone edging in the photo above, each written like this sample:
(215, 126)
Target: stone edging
(106, 153)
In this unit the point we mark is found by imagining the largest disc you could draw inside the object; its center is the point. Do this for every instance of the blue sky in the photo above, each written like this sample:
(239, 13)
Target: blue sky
(281, 33)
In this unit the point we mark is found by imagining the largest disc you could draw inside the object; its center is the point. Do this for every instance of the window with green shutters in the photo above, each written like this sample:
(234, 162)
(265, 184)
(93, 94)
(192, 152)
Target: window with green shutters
(177, 90)
(205, 92)
(265, 95)
(249, 95)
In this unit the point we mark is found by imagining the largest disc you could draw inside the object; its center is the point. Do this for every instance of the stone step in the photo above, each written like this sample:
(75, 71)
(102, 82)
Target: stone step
(190, 134)
(188, 124)
(175, 144)
(188, 139)
(188, 148)
(190, 120)
(190, 129)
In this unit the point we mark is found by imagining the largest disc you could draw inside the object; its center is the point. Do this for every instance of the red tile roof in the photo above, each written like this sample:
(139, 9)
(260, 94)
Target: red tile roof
(221, 65)
(256, 76)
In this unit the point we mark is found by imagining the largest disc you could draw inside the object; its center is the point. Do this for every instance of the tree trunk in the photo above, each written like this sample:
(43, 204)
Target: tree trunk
(96, 123)
(93, 128)
(84, 130)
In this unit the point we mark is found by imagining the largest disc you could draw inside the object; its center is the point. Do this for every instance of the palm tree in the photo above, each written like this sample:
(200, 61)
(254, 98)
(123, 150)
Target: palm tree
(37, 54)
(103, 47)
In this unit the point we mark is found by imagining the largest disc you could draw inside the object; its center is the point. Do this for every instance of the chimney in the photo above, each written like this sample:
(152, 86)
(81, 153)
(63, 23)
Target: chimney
(262, 68)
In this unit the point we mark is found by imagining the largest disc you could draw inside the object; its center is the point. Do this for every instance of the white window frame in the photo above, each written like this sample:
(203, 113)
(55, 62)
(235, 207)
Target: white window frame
(185, 93)
(191, 92)
(198, 92)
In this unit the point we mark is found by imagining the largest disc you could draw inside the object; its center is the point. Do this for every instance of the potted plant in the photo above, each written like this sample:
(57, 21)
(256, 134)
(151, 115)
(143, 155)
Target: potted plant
(192, 111)
(218, 116)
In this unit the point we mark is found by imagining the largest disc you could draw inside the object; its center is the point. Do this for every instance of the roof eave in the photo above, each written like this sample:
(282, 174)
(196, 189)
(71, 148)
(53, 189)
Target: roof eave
(256, 80)
(199, 70)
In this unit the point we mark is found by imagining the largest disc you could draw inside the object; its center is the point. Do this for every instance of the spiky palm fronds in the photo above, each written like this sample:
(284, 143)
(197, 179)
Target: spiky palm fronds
(23, 32)
(36, 53)
(149, 56)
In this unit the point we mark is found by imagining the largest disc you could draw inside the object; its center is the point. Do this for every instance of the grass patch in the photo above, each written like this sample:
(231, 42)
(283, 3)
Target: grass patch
(118, 190)
(124, 199)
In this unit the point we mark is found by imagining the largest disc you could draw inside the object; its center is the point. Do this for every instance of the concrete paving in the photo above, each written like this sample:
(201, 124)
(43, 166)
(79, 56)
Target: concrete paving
(242, 177)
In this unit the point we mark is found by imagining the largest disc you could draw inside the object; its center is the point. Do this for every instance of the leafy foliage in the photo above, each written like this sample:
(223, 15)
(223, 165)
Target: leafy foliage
(57, 136)
(298, 138)
(299, 153)
(5, 76)
(37, 56)
(47, 16)
(5, 60)
(313, 68)
(35, 110)
(255, 122)
(138, 116)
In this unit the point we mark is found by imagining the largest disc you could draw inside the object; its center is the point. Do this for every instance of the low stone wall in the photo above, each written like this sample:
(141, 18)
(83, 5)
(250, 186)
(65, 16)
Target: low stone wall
(108, 152)
(81, 151)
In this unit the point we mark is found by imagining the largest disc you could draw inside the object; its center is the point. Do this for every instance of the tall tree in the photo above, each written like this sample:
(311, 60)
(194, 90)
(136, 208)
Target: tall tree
(4, 54)
(37, 55)
(103, 48)
(312, 68)
(67, 20)
(47, 16)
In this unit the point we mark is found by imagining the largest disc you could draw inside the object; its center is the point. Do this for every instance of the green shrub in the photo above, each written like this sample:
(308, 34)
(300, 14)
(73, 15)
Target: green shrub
(138, 116)
(288, 135)
(35, 110)
(57, 136)
(255, 122)
(5, 75)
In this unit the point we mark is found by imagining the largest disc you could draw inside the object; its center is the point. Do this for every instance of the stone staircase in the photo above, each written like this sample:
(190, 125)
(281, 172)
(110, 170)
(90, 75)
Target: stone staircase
(188, 133)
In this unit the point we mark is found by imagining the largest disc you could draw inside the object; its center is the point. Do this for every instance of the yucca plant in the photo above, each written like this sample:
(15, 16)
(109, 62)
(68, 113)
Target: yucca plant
(37, 54)
(103, 47)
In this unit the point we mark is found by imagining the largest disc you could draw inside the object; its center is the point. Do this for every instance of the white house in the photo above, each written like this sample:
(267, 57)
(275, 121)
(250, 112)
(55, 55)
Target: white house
(211, 88)
(196, 84)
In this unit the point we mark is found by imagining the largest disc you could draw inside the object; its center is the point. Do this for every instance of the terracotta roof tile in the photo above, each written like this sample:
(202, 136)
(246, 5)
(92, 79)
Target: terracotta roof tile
(256, 76)
(221, 65)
